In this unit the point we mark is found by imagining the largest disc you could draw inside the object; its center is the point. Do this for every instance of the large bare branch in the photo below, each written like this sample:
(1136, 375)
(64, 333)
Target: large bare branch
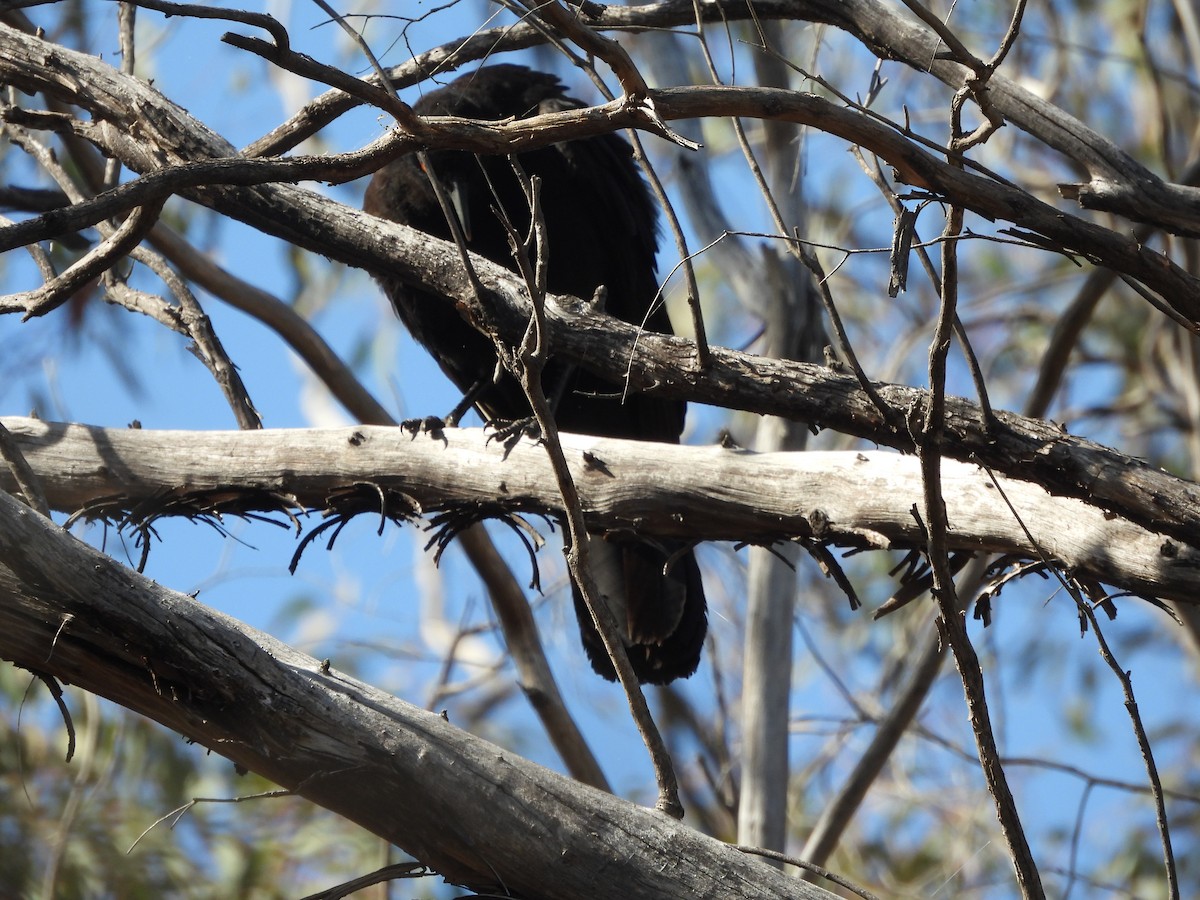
(857, 500)
(476, 813)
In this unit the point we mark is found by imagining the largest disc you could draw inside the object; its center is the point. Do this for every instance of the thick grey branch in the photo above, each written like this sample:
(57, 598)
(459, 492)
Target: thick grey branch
(478, 814)
(705, 493)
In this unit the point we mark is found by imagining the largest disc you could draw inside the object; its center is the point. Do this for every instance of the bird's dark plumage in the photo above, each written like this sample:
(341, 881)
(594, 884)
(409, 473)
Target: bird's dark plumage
(602, 230)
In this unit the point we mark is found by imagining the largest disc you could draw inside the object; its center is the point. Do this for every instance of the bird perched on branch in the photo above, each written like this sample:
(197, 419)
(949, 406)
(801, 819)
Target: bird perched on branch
(602, 230)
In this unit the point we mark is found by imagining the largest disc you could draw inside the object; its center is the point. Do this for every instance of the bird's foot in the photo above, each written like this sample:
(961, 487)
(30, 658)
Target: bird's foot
(510, 431)
(430, 425)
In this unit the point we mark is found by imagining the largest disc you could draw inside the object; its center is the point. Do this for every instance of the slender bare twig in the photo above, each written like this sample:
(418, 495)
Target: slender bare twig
(810, 867)
(959, 50)
(1076, 837)
(822, 284)
(527, 365)
(281, 317)
(197, 11)
(1098, 596)
(393, 872)
(571, 25)
(364, 91)
(92, 265)
(951, 624)
(1010, 37)
(197, 326)
(180, 811)
(703, 354)
(1139, 729)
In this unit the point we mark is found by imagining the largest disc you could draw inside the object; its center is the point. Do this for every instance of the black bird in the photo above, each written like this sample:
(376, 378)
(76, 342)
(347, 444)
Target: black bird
(602, 230)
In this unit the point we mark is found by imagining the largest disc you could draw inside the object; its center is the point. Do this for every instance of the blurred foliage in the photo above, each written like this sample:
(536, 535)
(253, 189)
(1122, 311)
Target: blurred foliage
(119, 820)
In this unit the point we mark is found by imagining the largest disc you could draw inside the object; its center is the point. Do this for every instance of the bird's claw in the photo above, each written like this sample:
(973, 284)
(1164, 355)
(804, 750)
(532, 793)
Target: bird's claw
(434, 426)
(510, 431)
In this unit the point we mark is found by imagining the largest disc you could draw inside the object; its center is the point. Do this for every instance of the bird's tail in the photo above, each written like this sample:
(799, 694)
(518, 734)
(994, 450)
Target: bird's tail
(657, 599)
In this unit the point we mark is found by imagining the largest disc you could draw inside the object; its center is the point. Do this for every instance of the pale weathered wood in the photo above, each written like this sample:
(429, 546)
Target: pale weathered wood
(705, 493)
(478, 814)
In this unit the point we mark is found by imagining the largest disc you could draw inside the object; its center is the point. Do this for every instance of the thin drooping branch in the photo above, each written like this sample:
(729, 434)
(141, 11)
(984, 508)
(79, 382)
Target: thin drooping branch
(1076, 588)
(193, 322)
(280, 317)
(1143, 742)
(951, 618)
(527, 363)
